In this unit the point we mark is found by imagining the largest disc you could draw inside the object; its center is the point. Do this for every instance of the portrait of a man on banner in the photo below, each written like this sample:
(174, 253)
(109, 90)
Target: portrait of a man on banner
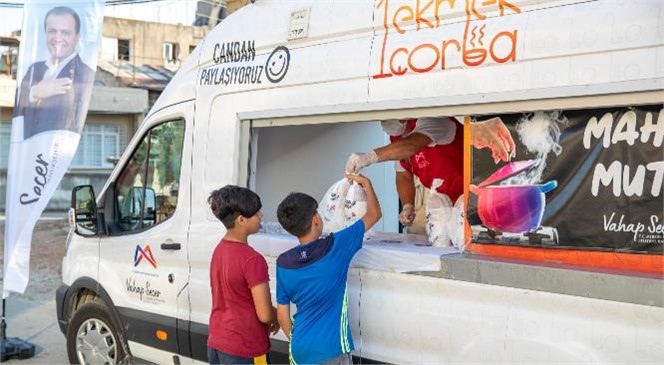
(57, 62)
(55, 92)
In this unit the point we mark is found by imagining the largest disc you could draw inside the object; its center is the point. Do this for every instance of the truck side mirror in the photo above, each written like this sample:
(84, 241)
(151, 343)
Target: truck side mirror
(83, 212)
(150, 216)
(138, 209)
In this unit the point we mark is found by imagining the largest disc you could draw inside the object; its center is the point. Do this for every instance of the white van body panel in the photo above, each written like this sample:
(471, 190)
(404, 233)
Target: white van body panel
(344, 71)
(461, 322)
(85, 261)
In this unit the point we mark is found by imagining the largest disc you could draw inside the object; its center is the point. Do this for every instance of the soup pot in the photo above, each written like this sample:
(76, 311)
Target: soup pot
(512, 208)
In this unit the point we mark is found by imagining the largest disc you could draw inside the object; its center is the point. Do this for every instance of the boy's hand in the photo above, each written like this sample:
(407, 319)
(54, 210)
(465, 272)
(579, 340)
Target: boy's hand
(273, 328)
(360, 179)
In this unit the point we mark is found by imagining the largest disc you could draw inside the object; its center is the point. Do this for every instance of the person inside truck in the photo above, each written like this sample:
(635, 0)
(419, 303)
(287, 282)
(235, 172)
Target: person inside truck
(313, 276)
(432, 148)
(242, 312)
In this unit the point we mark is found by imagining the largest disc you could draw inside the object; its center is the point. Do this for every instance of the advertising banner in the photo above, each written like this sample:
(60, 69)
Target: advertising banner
(57, 63)
(583, 179)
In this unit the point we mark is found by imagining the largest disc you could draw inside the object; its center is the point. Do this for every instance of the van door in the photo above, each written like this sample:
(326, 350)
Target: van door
(143, 259)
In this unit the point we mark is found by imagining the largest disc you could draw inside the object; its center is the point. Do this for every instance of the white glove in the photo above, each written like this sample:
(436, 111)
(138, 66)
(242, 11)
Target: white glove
(393, 127)
(407, 215)
(357, 161)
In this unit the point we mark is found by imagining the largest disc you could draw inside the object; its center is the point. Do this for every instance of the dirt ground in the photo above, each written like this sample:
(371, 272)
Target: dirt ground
(48, 246)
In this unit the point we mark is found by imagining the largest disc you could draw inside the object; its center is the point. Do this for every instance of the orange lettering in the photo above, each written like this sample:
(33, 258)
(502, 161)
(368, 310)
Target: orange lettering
(512, 55)
(428, 68)
(400, 70)
(442, 53)
(404, 19)
(438, 3)
(503, 3)
(474, 10)
(382, 73)
(418, 14)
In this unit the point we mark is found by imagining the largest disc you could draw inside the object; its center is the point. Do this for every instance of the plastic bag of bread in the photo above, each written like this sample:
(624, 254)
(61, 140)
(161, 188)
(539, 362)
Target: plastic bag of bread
(331, 207)
(438, 214)
(355, 206)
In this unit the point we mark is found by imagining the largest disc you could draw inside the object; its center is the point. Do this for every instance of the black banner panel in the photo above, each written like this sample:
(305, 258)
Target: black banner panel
(583, 179)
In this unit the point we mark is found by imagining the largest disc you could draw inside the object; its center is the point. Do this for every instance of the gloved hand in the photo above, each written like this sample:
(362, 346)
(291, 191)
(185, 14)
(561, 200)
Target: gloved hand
(407, 215)
(358, 161)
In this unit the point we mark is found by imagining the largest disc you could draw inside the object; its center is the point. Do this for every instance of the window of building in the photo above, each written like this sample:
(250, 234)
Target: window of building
(192, 48)
(113, 49)
(98, 143)
(5, 134)
(124, 49)
(171, 52)
(8, 62)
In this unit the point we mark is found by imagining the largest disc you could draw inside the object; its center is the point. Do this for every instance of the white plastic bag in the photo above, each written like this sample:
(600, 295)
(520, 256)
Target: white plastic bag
(331, 207)
(456, 225)
(438, 213)
(355, 206)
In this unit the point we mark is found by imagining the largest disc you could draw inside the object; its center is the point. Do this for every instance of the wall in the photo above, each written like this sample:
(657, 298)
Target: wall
(310, 158)
(147, 38)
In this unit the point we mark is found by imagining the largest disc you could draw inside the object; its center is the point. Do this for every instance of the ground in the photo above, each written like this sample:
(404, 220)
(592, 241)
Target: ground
(31, 316)
(48, 247)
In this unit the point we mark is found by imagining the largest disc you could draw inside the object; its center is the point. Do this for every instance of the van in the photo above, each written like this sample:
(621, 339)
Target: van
(278, 95)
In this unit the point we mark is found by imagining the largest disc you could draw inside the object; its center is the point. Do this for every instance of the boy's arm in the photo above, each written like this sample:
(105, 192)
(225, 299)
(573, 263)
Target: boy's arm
(374, 213)
(284, 318)
(263, 303)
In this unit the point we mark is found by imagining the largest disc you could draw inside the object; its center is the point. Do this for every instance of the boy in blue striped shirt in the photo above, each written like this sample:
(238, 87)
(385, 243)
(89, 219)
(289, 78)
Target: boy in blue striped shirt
(313, 276)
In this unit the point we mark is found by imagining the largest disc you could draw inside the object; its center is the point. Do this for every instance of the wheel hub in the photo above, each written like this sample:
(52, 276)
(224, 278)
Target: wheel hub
(95, 343)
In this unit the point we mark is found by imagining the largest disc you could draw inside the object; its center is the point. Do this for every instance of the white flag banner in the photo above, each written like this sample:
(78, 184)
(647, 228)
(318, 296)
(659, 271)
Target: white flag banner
(57, 63)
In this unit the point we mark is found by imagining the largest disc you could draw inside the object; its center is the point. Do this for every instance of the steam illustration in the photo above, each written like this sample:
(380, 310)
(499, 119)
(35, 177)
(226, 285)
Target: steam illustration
(539, 132)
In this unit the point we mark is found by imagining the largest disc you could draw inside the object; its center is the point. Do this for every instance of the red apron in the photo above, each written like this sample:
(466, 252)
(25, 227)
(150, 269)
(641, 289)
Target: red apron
(438, 162)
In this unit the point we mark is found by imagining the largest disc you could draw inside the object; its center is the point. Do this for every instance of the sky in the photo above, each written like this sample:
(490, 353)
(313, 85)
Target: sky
(168, 11)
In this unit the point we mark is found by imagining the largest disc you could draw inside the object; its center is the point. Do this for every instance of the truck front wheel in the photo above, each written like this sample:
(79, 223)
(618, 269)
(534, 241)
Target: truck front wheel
(92, 338)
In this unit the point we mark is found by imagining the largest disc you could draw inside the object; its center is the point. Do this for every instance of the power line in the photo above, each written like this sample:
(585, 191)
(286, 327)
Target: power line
(10, 5)
(108, 3)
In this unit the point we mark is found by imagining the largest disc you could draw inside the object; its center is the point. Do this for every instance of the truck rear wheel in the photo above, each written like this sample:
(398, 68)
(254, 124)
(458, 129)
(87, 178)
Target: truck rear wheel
(92, 338)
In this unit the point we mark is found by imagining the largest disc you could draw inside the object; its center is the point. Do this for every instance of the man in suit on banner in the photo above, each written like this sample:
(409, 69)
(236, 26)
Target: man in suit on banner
(54, 93)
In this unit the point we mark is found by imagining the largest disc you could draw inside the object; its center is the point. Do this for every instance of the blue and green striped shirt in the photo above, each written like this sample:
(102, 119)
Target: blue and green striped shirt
(313, 277)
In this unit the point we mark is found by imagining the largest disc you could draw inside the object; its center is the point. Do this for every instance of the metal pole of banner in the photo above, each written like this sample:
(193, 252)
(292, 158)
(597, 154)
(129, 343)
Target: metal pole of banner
(13, 347)
(3, 325)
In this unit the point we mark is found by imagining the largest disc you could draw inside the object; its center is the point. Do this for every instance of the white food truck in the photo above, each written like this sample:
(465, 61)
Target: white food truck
(277, 96)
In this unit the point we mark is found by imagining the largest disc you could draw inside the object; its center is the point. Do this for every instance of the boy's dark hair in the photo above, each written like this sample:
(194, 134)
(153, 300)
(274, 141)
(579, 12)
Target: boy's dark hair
(233, 201)
(295, 213)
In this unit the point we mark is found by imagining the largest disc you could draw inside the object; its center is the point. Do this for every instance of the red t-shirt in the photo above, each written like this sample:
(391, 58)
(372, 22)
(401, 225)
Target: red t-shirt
(234, 327)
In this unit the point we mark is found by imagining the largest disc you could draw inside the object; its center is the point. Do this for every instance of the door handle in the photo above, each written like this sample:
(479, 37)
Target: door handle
(170, 246)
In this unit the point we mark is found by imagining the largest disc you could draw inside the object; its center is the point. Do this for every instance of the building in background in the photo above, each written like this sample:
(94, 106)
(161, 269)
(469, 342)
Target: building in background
(144, 55)
(136, 61)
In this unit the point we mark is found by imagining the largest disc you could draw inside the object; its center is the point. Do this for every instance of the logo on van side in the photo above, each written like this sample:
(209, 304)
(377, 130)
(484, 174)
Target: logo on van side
(277, 64)
(484, 38)
(146, 254)
(236, 64)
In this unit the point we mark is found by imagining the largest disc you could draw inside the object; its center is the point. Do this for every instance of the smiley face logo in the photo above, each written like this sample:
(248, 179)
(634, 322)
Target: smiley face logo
(277, 64)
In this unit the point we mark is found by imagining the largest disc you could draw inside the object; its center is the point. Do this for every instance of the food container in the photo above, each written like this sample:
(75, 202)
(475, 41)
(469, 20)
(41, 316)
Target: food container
(511, 208)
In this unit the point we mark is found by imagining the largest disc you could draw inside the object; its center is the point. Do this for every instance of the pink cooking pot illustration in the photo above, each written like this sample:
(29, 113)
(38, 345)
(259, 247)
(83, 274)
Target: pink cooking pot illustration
(511, 208)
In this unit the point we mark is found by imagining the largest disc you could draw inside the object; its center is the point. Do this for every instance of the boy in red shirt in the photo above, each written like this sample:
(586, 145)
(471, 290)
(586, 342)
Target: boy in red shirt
(242, 312)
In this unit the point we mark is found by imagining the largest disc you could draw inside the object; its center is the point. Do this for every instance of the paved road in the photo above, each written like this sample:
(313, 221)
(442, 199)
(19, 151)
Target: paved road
(37, 323)
(31, 316)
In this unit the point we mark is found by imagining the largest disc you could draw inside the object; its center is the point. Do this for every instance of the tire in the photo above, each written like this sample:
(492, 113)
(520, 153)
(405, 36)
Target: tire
(92, 337)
